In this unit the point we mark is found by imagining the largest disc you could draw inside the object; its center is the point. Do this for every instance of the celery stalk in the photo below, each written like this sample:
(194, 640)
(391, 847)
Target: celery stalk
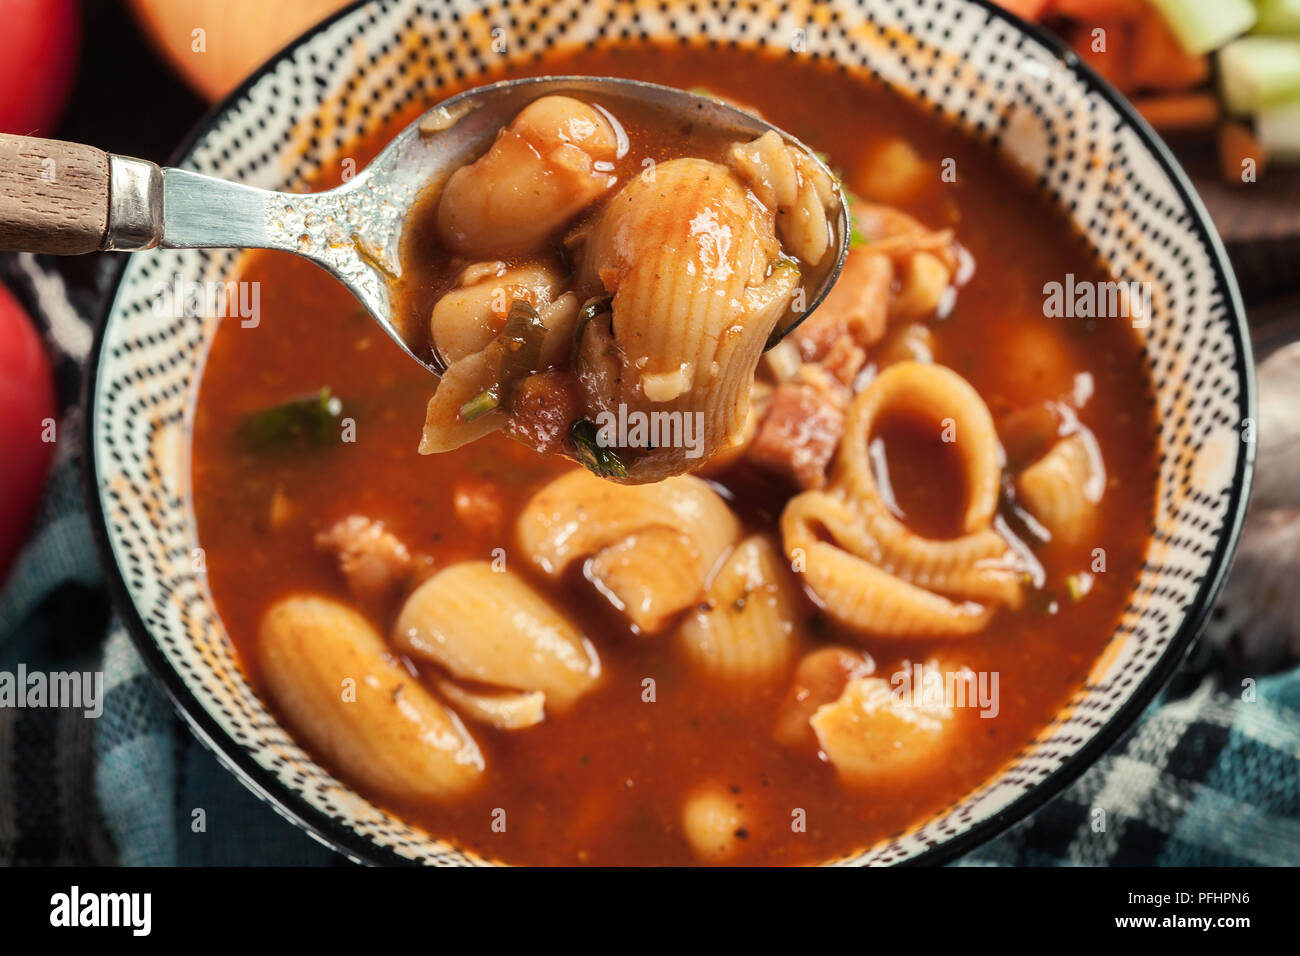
(1278, 17)
(1205, 25)
(1258, 71)
(1278, 131)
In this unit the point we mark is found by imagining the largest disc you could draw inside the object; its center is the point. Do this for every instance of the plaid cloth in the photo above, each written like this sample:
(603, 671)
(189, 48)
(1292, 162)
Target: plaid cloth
(1205, 778)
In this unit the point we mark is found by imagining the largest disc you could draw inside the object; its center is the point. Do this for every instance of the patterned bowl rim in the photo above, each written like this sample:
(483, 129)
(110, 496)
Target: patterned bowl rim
(341, 838)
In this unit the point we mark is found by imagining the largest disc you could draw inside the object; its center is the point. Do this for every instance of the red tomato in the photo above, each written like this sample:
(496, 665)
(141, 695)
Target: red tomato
(27, 407)
(38, 60)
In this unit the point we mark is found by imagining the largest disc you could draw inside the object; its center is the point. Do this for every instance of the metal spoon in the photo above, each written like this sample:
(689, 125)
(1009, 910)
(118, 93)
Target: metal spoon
(66, 198)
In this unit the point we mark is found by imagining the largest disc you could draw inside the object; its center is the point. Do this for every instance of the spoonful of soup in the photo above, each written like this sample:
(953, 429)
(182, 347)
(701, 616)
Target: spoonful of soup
(613, 256)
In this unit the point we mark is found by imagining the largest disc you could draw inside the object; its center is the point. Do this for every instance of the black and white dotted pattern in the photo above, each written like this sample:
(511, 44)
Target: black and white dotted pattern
(967, 62)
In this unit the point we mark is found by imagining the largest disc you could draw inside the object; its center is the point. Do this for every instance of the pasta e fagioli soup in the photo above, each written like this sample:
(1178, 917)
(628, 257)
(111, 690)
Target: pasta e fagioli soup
(892, 573)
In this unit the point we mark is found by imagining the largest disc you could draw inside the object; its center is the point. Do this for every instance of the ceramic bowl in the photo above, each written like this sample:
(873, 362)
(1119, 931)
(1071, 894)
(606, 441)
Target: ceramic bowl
(964, 59)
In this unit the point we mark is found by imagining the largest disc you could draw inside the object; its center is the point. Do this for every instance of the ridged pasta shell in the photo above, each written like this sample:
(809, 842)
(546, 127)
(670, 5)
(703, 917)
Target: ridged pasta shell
(931, 393)
(689, 259)
(743, 632)
(329, 672)
(787, 180)
(872, 737)
(1063, 488)
(653, 548)
(866, 567)
(490, 626)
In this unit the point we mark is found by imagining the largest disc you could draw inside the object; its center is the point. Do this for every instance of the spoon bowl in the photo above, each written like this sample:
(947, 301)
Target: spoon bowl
(353, 231)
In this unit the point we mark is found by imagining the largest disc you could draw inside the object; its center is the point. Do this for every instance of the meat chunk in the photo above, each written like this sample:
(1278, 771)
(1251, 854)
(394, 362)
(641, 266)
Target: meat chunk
(802, 428)
(852, 318)
(373, 561)
(479, 504)
(544, 407)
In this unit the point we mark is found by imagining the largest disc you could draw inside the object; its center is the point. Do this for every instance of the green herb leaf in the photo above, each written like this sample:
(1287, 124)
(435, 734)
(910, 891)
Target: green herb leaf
(1078, 586)
(521, 342)
(600, 461)
(856, 238)
(478, 406)
(312, 420)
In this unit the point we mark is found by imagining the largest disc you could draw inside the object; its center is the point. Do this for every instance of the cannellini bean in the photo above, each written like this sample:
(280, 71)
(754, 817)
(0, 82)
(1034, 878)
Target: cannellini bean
(925, 279)
(445, 428)
(894, 173)
(329, 673)
(1035, 364)
(646, 578)
(714, 823)
(490, 626)
(539, 174)
(470, 315)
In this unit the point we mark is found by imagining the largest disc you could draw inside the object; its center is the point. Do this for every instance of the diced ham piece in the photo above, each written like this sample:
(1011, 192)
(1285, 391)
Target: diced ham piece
(479, 504)
(545, 405)
(852, 318)
(802, 428)
(373, 561)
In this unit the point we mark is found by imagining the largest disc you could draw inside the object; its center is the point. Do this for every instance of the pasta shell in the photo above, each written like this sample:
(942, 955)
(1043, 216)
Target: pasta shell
(785, 179)
(644, 577)
(510, 710)
(744, 631)
(974, 567)
(491, 627)
(1063, 488)
(866, 567)
(689, 259)
(873, 601)
(329, 672)
(445, 428)
(932, 393)
(578, 515)
(873, 737)
(819, 679)
(652, 548)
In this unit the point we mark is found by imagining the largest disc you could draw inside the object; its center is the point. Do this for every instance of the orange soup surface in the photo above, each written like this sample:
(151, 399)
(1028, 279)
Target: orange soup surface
(605, 782)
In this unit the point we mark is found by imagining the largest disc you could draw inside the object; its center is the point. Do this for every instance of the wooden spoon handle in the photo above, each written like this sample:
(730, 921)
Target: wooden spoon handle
(54, 196)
